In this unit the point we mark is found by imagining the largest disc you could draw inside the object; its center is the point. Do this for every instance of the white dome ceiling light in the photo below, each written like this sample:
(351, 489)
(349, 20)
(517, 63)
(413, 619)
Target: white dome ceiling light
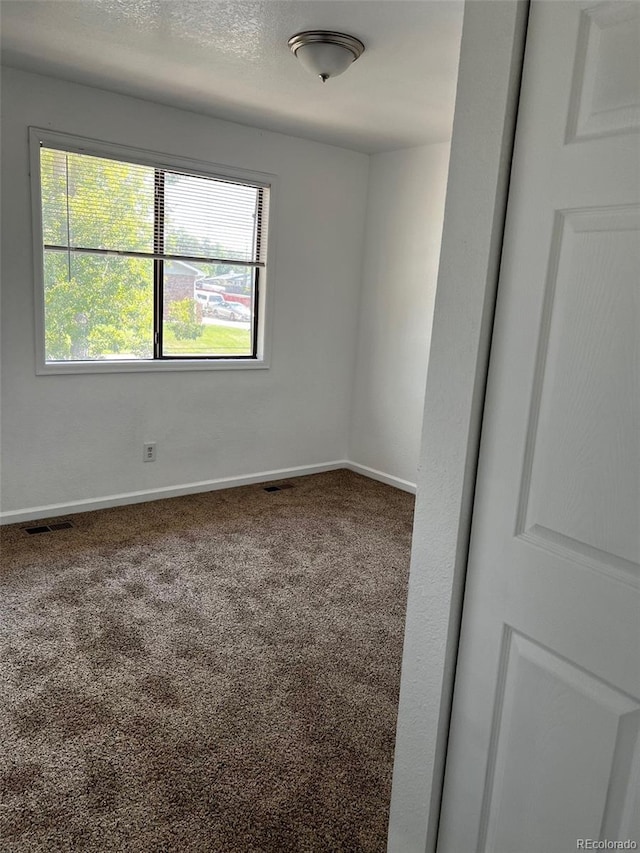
(325, 54)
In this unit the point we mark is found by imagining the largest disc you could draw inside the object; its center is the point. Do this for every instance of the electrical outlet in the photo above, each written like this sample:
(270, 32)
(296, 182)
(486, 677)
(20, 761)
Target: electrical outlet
(149, 452)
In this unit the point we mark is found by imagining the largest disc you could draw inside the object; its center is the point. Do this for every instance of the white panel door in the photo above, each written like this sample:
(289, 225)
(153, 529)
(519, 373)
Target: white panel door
(545, 738)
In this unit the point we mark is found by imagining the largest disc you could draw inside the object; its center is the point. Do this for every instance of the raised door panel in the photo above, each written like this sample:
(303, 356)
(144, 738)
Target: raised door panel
(606, 86)
(564, 756)
(581, 486)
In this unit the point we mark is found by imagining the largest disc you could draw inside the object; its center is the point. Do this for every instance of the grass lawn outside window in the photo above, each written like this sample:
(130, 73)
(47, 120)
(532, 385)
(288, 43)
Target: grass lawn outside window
(213, 339)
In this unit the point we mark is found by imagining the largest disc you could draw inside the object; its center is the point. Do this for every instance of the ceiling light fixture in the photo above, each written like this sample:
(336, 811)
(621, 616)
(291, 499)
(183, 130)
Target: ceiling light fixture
(325, 54)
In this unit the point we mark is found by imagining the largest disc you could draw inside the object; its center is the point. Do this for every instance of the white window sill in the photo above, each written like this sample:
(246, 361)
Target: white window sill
(150, 366)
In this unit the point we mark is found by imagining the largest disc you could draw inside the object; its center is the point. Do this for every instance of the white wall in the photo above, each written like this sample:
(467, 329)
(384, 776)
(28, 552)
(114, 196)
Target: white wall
(73, 438)
(405, 210)
(486, 102)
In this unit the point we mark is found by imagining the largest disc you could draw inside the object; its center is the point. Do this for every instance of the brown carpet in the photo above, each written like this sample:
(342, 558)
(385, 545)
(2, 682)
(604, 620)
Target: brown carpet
(217, 672)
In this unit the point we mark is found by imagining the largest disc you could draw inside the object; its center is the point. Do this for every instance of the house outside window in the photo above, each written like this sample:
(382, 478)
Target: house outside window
(130, 247)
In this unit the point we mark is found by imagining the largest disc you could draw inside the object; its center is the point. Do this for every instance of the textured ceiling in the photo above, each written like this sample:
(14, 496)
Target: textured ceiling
(231, 60)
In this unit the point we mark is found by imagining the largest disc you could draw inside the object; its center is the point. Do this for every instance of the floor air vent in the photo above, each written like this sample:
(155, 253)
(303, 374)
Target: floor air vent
(279, 488)
(48, 528)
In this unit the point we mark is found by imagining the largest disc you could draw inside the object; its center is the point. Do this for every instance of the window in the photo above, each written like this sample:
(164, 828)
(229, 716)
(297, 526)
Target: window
(146, 264)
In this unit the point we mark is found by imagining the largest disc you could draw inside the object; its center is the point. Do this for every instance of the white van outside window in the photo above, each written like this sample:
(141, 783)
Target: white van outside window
(208, 300)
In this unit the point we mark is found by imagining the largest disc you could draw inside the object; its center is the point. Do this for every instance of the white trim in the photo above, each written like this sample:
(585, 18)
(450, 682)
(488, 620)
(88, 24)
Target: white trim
(491, 53)
(124, 153)
(16, 516)
(38, 241)
(145, 157)
(148, 365)
(51, 510)
(389, 479)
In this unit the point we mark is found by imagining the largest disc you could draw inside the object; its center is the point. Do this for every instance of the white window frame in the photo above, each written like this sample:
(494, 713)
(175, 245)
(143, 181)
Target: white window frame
(39, 137)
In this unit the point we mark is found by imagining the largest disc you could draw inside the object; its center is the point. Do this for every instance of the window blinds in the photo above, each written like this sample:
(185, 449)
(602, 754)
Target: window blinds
(104, 206)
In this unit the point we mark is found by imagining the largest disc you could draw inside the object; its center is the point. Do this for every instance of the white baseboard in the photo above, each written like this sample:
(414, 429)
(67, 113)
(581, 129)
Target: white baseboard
(389, 479)
(51, 510)
(54, 510)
